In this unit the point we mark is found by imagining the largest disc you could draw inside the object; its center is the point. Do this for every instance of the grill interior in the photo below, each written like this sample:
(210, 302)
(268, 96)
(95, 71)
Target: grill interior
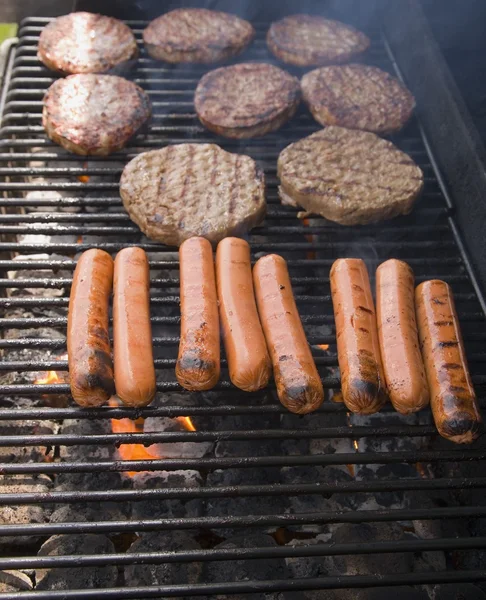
(266, 470)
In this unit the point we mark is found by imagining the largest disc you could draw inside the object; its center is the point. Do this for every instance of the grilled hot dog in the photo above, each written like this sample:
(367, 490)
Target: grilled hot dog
(452, 398)
(397, 332)
(299, 386)
(88, 342)
(362, 379)
(244, 342)
(198, 363)
(132, 333)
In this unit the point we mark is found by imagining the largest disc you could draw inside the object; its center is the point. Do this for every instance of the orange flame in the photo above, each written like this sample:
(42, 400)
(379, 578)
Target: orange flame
(322, 346)
(83, 178)
(52, 376)
(421, 470)
(128, 452)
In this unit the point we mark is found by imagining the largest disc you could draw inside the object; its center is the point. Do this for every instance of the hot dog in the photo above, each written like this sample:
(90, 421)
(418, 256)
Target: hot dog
(452, 398)
(244, 342)
(362, 378)
(198, 362)
(88, 342)
(132, 332)
(299, 386)
(397, 332)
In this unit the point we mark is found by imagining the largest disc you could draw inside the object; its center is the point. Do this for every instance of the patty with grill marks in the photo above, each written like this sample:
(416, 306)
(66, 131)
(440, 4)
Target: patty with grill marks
(83, 42)
(358, 97)
(197, 35)
(246, 100)
(91, 114)
(191, 190)
(348, 176)
(310, 40)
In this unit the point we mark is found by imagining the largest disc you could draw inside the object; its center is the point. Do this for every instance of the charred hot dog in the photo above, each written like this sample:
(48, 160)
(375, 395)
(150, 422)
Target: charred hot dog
(198, 362)
(88, 342)
(298, 383)
(132, 332)
(244, 342)
(452, 398)
(397, 332)
(362, 378)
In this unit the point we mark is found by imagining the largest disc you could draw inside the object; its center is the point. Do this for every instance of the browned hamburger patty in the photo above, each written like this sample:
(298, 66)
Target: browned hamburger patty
(83, 42)
(197, 35)
(348, 176)
(193, 190)
(357, 97)
(92, 114)
(246, 100)
(310, 40)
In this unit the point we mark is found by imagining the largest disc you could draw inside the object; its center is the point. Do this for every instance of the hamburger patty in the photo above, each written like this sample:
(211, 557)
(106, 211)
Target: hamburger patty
(83, 42)
(307, 40)
(193, 190)
(348, 176)
(197, 35)
(246, 100)
(92, 114)
(357, 97)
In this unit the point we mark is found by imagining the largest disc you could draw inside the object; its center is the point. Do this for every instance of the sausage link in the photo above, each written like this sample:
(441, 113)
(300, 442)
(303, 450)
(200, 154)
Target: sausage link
(452, 398)
(88, 342)
(362, 379)
(132, 332)
(299, 386)
(198, 363)
(244, 342)
(397, 332)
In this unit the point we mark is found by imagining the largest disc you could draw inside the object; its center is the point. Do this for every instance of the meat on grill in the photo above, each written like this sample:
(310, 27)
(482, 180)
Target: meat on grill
(197, 35)
(92, 114)
(348, 176)
(83, 42)
(310, 40)
(191, 190)
(246, 100)
(452, 398)
(358, 97)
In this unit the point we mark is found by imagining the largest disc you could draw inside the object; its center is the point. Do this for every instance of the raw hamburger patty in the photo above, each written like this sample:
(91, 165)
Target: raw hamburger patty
(348, 176)
(84, 42)
(357, 97)
(193, 189)
(246, 100)
(92, 114)
(197, 35)
(308, 40)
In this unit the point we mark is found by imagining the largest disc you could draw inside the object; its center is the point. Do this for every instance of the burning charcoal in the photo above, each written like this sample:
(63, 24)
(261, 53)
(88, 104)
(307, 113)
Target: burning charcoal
(72, 482)
(14, 581)
(397, 593)
(22, 514)
(245, 505)
(24, 454)
(371, 564)
(165, 573)
(59, 578)
(174, 449)
(457, 591)
(159, 508)
(248, 569)
(90, 512)
(84, 452)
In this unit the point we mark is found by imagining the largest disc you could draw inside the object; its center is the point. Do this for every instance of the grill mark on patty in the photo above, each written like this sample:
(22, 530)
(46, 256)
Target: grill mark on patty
(234, 189)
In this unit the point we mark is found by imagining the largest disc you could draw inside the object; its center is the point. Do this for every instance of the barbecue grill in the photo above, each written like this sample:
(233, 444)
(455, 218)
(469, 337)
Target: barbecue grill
(307, 503)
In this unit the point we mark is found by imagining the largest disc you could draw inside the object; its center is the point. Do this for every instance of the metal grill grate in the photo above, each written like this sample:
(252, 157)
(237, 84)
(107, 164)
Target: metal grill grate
(37, 178)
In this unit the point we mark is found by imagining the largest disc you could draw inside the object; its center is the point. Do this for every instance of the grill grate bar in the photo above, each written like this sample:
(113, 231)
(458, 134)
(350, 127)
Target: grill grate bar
(169, 464)
(253, 587)
(342, 487)
(368, 516)
(45, 562)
